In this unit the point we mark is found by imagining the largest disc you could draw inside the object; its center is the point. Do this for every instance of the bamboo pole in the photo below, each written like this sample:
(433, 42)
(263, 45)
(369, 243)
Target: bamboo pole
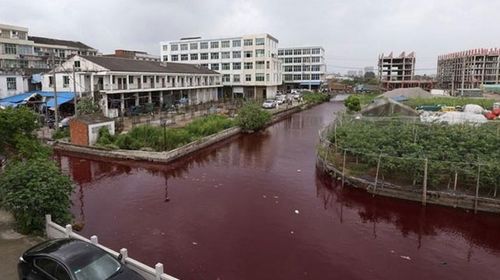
(477, 187)
(424, 191)
(343, 169)
(455, 182)
(376, 175)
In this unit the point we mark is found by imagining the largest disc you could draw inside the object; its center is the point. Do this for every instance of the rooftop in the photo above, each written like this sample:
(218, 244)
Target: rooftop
(132, 65)
(58, 42)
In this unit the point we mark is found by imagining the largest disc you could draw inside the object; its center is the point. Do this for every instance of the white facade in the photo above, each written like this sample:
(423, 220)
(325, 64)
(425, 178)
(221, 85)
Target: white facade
(12, 85)
(249, 64)
(123, 89)
(303, 66)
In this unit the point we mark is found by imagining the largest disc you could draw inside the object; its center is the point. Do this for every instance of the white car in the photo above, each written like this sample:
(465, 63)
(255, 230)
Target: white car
(64, 122)
(280, 99)
(269, 104)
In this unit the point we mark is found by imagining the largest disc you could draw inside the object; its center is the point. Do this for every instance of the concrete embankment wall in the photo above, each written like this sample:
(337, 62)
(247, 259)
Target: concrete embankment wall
(433, 197)
(168, 156)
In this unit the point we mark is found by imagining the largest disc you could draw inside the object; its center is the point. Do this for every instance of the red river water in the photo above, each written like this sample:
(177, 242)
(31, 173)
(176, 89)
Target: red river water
(256, 207)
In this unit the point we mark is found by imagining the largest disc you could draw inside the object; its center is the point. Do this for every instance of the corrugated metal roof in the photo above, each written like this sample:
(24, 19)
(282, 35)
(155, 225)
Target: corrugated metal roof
(58, 42)
(121, 64)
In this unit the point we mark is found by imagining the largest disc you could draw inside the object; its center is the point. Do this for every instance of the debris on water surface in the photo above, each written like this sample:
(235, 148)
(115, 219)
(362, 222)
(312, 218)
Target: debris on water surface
(297, 211)
(406, 258)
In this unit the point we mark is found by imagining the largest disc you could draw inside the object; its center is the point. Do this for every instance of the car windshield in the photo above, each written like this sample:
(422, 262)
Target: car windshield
(101, 268)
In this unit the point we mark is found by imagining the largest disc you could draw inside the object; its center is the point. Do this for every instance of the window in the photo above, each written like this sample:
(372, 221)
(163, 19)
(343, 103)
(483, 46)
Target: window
(174, 48)
(259, 53)
(214, 45)
(214, 55)
(288, 77)
(248, 42)
(315, 59)
(184, 47)
(51, 81)
(11, 83)
(315, 77)
(236, 78)
(306, 51)
(306, 68)
(315, 68)
(204, 65)
(288, 52)
(297, 68)
(214, 66)
(236, 65)
(194, 56)
(130, 79)
(65, 81)
(297, 52)
(260, 41)
(165, 47)
(203, 56)
(259, 65)
(288, 60)
(193, 46)
(225, 55)
(224, 44)
(288, 68)
(248, 65)
(267, 77)
(236, 43)
(316, 51)
(297, 77)
(306, 76)
(259, 77)
(77, 64)
(248, 77)
(25, 49)
(10, 49)
(280, 52)
(306, 59)
(204, 45)
(174, 57)
(226, 78)
(237, 54)
(184, 57)
(297, 60)
(226, 66)
(247, 54)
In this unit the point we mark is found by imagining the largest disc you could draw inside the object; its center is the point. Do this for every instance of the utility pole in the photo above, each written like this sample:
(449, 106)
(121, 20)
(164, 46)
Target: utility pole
(56, 109)
(74, 91)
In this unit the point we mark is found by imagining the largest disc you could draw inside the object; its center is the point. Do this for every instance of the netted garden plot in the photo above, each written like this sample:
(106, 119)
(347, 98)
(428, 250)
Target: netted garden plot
(462, 159)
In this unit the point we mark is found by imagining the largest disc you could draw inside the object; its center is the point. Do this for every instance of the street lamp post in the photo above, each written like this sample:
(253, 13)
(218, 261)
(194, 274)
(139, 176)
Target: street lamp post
(164, 124)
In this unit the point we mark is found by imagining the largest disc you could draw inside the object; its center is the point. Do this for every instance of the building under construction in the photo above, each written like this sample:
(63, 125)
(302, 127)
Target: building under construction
(399, 72)
(466, 72)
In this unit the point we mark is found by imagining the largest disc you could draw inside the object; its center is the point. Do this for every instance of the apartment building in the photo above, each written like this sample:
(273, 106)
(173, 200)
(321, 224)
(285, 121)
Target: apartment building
(303, 67)
(249, 64)
(464, 73)
(399, 72)
(121, 83)
(23, 58)
(139, 55)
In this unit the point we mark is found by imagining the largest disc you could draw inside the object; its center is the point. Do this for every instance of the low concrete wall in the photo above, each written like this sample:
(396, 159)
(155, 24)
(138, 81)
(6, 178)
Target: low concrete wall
(434, 197)
(163, 157)
(54, 231)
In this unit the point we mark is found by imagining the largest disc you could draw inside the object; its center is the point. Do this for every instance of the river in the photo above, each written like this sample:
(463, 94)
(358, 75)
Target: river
(256, 207)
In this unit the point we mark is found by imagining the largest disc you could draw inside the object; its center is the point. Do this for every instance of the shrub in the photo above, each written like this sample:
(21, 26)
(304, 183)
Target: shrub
(87, 106)
(353, 103)
(251, 117)
(32, 188)
(315, 97)
(104, 137)
(61, 133)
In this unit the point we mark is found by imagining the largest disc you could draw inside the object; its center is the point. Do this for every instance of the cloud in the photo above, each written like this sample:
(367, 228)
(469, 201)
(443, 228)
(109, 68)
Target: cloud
(353, 32)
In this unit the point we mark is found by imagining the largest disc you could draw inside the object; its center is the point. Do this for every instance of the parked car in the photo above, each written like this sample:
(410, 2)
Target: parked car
(71, 259)
(269, 104)
(65, 122)
(280, 99)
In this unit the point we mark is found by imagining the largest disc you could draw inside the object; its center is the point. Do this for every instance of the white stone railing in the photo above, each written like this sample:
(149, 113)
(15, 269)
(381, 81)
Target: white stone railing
(54, 230)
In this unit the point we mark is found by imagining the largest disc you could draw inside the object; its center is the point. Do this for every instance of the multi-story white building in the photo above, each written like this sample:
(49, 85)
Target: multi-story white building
(122, 83)
(249, 64)
(303, 67)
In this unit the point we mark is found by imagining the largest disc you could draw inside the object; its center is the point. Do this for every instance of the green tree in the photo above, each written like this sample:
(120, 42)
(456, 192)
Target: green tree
(251, 117)
(87, 106)
(17, 126)
(32, 188)
(353, 103)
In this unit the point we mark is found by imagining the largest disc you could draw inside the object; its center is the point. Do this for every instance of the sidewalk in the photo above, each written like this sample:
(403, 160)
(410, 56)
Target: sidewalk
(12, 245)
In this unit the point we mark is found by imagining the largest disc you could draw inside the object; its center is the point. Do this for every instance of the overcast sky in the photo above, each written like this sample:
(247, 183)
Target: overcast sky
(353, 32)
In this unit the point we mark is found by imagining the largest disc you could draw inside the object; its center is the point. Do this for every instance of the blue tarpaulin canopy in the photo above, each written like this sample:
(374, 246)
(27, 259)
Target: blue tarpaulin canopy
(48, 96)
